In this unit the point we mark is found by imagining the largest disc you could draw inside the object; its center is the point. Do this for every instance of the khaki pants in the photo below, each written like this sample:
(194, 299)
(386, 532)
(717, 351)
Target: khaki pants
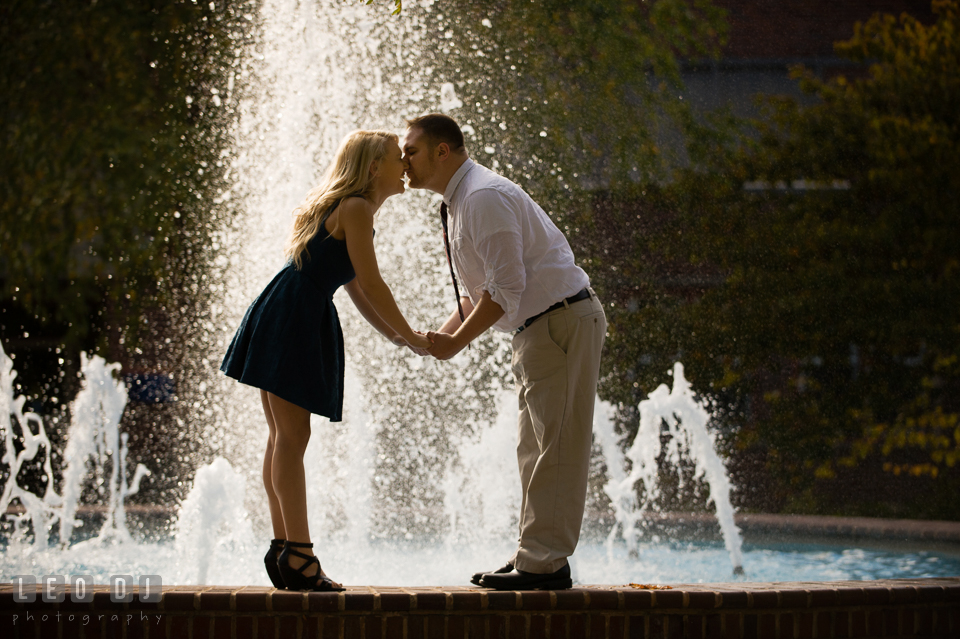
(556, 362)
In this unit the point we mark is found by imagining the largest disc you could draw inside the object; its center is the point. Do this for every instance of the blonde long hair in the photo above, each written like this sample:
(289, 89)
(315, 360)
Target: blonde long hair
(348, 175)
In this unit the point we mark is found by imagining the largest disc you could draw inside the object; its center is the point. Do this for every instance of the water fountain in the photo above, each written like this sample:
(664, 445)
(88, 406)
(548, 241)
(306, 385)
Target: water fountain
(214, 540)
(686, 422)
(95, 450)
(408, 479)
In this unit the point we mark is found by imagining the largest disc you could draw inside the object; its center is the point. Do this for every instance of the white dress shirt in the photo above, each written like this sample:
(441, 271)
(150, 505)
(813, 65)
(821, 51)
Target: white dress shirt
(502, 242)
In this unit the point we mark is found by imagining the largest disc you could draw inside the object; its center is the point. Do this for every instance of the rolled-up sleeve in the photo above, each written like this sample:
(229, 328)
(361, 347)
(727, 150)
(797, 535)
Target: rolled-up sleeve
(498, 239)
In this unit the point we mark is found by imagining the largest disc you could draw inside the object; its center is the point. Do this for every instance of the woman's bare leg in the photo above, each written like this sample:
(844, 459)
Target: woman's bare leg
(276, 515)
(289, 482)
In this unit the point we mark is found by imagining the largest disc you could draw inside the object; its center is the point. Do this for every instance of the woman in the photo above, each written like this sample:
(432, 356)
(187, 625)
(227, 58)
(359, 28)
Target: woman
(290, 344)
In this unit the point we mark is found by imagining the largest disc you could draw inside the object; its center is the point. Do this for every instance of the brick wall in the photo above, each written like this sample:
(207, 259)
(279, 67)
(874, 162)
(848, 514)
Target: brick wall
(889, 608)
(773, 29)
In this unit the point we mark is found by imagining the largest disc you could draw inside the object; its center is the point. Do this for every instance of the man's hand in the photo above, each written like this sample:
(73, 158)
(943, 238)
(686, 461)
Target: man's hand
(444, 345)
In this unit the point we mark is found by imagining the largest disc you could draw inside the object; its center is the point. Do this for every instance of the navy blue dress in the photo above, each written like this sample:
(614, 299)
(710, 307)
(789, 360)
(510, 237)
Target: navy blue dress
(290, 342)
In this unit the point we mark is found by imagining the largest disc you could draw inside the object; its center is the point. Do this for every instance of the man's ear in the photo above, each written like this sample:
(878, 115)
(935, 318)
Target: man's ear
(443, 151)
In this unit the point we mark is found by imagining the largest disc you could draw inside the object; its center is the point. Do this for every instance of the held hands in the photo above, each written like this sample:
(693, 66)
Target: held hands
(444, 345)
(419, 344)
(419, 341)
(441, 345)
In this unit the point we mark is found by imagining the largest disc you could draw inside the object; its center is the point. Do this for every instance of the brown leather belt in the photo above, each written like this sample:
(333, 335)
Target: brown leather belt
(582, 295)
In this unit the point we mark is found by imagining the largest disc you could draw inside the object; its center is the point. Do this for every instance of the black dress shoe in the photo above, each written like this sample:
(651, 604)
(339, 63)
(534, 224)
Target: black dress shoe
(520, 580)
(477, 576)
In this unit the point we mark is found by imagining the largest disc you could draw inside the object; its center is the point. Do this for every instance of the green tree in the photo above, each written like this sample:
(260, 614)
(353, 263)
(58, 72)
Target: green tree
(397, 4)
(568, 97)
(831, 232)
(114, 115)
(113, 119)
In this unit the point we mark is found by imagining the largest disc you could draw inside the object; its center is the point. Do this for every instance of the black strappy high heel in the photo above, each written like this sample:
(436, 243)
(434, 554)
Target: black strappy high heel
(270, 561)
(294, 579)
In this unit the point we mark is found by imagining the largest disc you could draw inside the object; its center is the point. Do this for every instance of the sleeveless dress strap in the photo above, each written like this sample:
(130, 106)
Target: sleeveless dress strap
(323, 220)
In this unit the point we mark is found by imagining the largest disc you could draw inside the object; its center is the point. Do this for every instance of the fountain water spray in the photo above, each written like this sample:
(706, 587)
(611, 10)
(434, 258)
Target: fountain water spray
(40, 511)
(213, 526)
(481, 489)
(93, 436)
(686, 423)
(213, 539)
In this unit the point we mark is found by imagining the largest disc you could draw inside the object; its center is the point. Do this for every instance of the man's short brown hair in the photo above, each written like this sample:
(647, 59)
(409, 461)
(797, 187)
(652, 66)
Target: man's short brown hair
(439, 128)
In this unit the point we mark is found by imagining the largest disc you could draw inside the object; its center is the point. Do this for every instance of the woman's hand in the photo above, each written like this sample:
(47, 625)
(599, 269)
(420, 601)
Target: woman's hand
(419, 344)
(419, 341)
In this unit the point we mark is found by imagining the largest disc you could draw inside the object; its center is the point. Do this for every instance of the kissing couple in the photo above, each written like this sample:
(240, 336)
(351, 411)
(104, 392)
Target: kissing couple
(518, 276)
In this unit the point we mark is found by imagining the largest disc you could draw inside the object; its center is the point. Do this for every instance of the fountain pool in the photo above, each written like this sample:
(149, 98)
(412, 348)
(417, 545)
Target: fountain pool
(213, 540)
(415, 565)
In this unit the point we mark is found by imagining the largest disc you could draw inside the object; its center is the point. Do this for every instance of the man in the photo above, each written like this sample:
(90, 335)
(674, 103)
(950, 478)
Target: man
(519, 276)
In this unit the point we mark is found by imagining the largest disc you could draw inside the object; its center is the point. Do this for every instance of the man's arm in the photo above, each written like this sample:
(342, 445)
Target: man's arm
(481, 317)
(453, 322)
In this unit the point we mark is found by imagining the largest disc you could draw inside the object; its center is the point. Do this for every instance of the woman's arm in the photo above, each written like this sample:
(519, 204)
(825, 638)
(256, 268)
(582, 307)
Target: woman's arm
(363, 305)
(356, 220)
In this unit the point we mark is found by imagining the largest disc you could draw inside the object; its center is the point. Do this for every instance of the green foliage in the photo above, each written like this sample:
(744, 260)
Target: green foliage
(562, 97)
(114, 116)
(112, 126)
(833, 328)
(398, 4)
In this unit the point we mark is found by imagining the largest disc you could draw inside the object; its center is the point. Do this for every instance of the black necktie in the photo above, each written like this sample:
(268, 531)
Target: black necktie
(446, 246)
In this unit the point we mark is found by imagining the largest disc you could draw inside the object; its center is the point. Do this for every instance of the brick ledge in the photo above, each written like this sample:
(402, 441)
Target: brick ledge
(891, 607)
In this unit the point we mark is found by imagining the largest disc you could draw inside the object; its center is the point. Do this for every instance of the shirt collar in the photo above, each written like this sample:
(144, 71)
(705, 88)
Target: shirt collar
(456, 179)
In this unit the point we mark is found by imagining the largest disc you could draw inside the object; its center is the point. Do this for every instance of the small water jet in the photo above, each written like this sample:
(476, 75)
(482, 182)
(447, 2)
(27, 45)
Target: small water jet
(40, 510)
(95, 448)
(94, 438)
(685, 421)
(213, 526)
